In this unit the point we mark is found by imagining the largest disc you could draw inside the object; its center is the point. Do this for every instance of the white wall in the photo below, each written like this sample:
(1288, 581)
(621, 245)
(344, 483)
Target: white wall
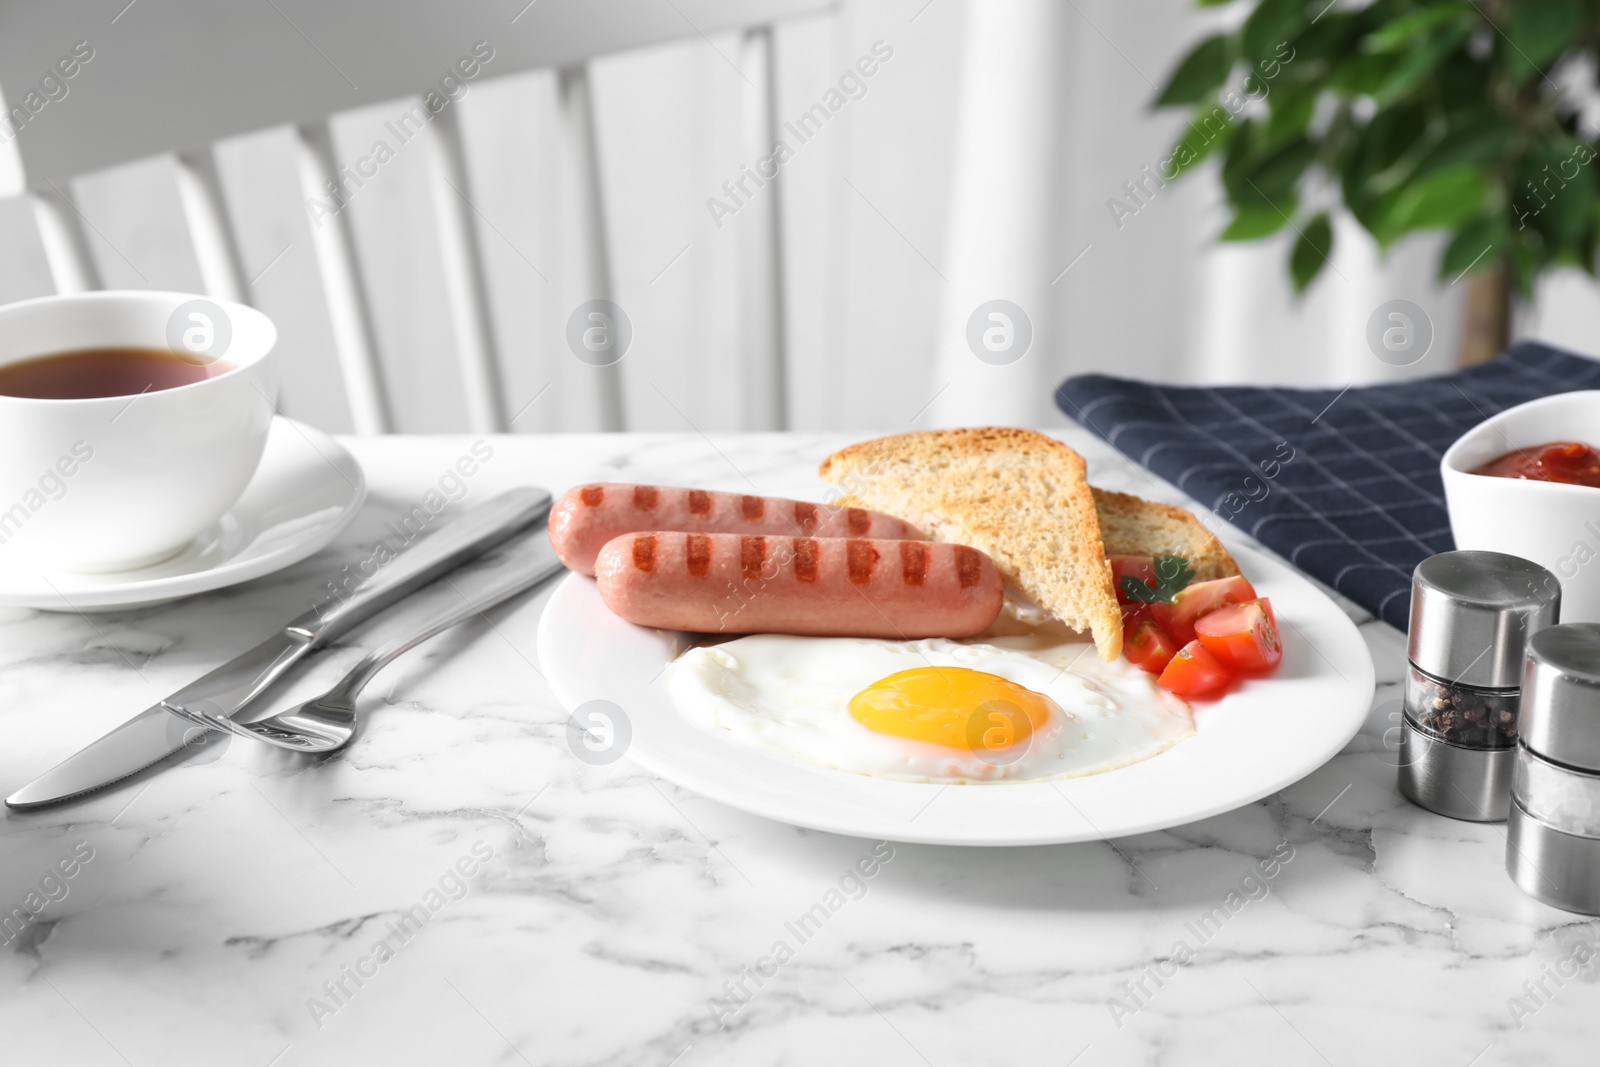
(866, 214)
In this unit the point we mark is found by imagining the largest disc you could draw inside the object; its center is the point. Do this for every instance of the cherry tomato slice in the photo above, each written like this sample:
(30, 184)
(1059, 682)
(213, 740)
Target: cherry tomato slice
(1134, 613)
(1147, 646)
(1202, 598)
(1243, 636)
(1193, 672)
(1141, 567)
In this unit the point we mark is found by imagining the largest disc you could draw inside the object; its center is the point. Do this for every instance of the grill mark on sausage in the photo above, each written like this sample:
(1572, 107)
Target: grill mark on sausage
(592, 495)
(914, 562)
(861, 558)
(858, 521)
(751, 507)
(805, 560)
(752, 554)
(699, 502)
(644, 497)
(805, 515)
(698, 548)
(969, 566)
(644, 552)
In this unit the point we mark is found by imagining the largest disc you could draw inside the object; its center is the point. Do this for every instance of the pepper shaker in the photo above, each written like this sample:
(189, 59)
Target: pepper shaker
(1471, 616)
(1553, 833)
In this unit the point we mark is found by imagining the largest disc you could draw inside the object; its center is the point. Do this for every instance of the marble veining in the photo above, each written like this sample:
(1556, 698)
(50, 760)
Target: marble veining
(233, 904)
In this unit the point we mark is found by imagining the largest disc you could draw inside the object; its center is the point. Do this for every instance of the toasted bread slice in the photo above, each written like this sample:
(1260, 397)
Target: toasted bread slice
(1017, 495)
(1130, 526)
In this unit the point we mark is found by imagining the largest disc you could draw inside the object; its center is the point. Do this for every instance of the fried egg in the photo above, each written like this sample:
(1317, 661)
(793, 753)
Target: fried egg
(1021, 705)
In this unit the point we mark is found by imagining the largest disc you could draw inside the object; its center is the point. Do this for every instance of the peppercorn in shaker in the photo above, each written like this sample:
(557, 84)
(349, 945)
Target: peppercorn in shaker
(1471, 616)
(1553, 834)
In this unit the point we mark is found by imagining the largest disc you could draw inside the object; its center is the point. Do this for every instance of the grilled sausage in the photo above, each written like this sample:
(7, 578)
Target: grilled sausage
(824, 586)
(588, 516)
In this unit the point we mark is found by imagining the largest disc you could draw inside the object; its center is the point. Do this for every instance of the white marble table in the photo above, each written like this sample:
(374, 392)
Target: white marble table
(226, 900)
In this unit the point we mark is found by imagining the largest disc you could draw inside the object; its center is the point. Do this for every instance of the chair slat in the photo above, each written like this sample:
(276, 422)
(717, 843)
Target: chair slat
(586, 267)
(112, 120)
(341, 281)
(761, 250)
(216, 246)
(66, 243)
(464, 288)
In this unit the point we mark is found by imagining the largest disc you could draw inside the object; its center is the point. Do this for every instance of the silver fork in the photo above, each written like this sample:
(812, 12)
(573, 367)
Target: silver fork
(327, 723)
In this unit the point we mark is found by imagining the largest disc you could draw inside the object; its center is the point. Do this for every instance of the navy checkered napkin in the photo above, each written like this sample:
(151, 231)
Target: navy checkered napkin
(1343, 484)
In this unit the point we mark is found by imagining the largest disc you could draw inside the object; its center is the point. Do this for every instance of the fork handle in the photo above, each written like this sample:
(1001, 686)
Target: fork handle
(481, 584)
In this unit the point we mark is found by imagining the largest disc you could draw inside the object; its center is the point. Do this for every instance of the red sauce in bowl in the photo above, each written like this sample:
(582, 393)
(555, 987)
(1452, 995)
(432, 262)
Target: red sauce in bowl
(1572, 462)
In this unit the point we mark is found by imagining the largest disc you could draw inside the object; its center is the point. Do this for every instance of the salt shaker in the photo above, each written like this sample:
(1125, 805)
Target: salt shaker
(1553, 833)
(1471, 616)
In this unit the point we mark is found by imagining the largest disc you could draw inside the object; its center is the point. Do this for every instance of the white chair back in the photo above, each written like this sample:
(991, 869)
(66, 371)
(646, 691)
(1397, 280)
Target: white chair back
(176, 76)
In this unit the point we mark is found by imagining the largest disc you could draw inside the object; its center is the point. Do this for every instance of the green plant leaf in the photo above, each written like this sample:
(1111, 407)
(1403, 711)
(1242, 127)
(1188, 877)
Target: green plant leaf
(1464, 81)
(1376, 148)
(1256, 174)
(1479, 136)
(1279, 171)
(1269, 25)
(1372, 212)
(1362, 75)
(1403, 31)
(1291, 107)
(1554, 194)
(1243, 153)
(1310, 253)
(1259, 220)
(1338, 139)
(1324, 42)
(1538, 31)
(1526, 262)
(1173, 575)
(1204, 134)
(1420, 63)
(1201, 73)
(1478, 244)
(1447, 197)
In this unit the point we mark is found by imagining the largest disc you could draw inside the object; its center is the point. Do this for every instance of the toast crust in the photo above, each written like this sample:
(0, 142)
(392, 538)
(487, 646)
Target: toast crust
(1133, 526)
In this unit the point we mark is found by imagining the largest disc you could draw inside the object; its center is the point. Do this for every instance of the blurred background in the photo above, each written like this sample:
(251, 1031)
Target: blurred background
(982, 159)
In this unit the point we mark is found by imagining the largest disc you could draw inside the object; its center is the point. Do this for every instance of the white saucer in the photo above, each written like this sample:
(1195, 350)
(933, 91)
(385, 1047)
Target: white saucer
(305, 491)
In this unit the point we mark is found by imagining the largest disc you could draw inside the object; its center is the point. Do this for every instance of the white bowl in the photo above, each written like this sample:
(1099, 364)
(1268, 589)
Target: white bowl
(1553, 524)
(114, 483)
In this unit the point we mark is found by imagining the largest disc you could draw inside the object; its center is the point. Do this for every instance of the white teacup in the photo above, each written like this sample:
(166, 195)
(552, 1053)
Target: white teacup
(120, 482)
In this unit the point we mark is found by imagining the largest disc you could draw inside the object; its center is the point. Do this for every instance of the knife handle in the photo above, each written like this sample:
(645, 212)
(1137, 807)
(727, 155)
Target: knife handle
(475, 532)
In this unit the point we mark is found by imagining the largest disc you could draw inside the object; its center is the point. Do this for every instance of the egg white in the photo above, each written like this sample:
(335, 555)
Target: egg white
(791, 695)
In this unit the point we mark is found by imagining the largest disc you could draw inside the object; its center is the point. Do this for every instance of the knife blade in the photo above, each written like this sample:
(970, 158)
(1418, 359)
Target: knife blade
(159, 732)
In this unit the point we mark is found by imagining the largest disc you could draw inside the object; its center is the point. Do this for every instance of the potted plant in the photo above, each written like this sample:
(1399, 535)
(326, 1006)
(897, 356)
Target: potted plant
(1453, 115)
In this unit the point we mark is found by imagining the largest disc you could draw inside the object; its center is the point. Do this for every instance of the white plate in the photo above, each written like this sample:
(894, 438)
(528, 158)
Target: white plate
(1267, 734)
(305, 491)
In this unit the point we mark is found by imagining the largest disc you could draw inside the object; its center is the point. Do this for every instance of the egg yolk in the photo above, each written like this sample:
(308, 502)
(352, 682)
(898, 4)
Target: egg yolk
(951, 706)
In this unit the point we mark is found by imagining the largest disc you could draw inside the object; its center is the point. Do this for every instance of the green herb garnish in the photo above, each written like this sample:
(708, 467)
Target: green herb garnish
(1173, 574)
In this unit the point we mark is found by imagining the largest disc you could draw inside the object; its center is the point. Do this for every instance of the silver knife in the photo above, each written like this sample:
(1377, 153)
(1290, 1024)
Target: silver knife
(328, 722)
(150, 736)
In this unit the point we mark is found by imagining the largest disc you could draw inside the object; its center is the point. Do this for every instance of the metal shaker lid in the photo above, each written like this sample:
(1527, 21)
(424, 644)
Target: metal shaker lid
(1560, 717)
(1472, 613)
